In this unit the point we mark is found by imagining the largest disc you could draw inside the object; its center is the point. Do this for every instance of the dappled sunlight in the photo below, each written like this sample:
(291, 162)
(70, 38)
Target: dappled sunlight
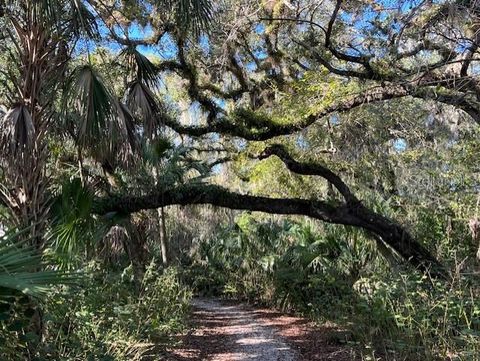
(240, 180)
(226, 331)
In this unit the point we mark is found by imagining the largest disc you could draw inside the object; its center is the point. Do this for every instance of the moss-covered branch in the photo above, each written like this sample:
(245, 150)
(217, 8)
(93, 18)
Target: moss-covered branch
(347, 214)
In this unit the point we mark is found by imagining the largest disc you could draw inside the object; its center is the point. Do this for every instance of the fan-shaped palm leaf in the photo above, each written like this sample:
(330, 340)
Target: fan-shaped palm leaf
(156, 151)
(125, 142)
(71, 217)
(19, 269)
(94, 105)
(143, 104)
(104, 125)
(17, 130)
(146, 71)
(83, 21)
(194, 16)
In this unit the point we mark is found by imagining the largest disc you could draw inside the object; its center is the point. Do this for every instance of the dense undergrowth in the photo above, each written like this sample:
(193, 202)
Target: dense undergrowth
(325, 272)
(332, 273)
(101, 317)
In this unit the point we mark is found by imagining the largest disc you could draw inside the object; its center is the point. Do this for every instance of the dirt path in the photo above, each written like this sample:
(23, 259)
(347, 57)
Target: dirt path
(233, 332)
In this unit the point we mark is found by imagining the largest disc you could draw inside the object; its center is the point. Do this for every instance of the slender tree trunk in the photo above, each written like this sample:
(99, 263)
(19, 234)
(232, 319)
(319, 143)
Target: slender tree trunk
(163, 235)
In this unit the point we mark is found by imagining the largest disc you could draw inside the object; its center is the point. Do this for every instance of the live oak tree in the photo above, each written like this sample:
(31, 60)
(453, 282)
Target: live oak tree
(256, 76)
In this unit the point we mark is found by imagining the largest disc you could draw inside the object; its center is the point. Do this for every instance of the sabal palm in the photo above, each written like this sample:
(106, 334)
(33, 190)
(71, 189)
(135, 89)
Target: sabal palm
(36, 37)
(39, 37)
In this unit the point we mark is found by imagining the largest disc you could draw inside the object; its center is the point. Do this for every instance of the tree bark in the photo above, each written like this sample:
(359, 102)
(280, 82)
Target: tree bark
(163, 235)
(355, 215)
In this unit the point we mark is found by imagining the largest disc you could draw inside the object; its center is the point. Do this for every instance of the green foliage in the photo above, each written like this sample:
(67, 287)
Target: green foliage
(327, 272)
(23, 279)
(332, 273)
(280, 263)
(21, 269)
(144, 104)
(84, 22)
(108, 320)
(407, 315)
(72, 221)
(314, 93)
(155, 151)
(16, 312)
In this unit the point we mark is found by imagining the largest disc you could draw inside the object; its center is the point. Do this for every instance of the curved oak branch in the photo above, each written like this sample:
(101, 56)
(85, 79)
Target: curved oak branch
(242, 126)
(311, 169)
(347, 214)
(250, 129)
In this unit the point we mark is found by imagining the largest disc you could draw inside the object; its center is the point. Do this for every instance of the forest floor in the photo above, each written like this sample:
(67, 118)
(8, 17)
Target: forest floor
(226, 331)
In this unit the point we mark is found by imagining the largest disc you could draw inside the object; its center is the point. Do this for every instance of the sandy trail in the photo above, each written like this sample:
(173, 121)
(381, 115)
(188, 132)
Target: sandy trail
(235, 332)
(246, 336)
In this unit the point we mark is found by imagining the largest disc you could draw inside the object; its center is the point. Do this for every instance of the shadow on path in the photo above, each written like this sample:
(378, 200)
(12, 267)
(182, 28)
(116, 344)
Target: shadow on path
(235, 332)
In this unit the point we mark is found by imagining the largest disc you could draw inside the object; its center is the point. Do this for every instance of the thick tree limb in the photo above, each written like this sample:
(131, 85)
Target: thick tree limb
(311, 169)
(251, 129)
(382, 229)
(351, 215)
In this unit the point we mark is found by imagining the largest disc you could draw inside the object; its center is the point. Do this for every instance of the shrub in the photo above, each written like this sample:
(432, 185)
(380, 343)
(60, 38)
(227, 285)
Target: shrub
(104, 318)
(407, 315)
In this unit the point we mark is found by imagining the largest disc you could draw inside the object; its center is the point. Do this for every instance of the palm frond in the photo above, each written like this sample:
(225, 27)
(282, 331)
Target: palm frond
(83, 21)
(19, 269)
(192, 16)
(144, 105)
(146, 71)
(197, 15)
(70, 212)
(94, 106)
(49, 10)
(154, 152)
(125, 141)
(126, 124)
(103, 124)
(17, 131)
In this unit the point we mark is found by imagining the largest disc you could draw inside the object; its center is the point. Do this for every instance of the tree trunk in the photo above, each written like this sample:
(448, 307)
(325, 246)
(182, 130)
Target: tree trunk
(163, 235)
(24, 156)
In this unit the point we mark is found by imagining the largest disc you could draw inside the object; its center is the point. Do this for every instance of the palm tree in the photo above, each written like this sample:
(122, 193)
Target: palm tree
(39, 38)
(38, 42)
